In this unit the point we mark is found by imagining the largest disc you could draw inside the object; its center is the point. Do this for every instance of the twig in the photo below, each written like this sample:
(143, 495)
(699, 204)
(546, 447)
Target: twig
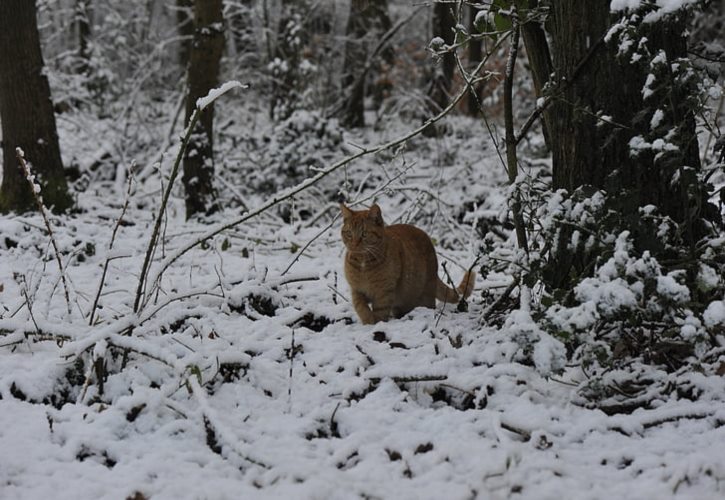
(525, 435)
(500, 300)
(291, 370)
(34, 189)
(337, 292)
(413, 378)
(30, 309)
(230, 439)
(307, 245)
(110, 247)
(333, 424)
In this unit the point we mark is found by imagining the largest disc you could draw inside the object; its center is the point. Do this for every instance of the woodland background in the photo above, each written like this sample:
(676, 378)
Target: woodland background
(174, 321)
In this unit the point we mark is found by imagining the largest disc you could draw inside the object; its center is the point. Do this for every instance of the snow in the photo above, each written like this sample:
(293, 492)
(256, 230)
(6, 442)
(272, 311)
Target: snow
(657, 118)
(669, 287)
(715, 313)
(214, 94)
(242, 381)
(437, 43)
(663, 7)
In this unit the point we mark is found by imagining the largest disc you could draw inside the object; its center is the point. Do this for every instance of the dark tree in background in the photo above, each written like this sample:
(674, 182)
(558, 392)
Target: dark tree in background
(202, 75)
(26, 113)
(286, 59)
(475, 55)
(367, 18)
(83, 28)
(185, 24)
(444, 21)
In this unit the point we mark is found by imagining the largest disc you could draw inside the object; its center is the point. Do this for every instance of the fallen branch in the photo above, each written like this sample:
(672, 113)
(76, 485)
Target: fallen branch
(229, 440)
(500, 300)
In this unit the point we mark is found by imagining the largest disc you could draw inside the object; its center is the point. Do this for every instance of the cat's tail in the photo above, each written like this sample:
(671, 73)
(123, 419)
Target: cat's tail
(446, 294)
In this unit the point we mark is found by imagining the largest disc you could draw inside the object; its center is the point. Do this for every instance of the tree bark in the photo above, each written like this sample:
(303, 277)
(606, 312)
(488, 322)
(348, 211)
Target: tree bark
(203, 75)
(589, 151)
(26, 113)
(602, 104)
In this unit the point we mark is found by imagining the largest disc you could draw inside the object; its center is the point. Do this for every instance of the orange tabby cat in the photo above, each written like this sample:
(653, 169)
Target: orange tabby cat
(392, 268)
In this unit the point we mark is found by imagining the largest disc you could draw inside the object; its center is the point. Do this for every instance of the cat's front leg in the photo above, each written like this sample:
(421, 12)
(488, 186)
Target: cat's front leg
(360, 303)
(383, 309)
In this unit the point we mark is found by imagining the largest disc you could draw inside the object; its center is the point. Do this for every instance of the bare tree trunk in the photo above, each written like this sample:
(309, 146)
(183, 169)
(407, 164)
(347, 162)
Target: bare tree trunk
(475, 55)
(287, 79)
(185, 25)
(26, 113)
(366, 18)
(537, 51)
(444, 21)
(83, 26)
(203, 75)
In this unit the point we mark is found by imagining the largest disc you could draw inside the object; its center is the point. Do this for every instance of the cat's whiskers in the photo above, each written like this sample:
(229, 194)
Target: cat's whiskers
(375, 253)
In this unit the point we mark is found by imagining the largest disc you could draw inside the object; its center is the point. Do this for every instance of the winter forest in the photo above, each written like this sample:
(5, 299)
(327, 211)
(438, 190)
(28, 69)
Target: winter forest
(210, 287)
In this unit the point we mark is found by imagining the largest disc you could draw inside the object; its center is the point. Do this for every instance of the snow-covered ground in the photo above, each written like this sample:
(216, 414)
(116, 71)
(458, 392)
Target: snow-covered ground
(240, 378)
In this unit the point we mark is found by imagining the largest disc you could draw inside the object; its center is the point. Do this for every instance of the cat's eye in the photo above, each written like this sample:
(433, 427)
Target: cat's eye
(346, 233)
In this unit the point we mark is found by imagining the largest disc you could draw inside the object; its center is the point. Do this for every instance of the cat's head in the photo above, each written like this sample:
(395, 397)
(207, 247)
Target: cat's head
(362, 229)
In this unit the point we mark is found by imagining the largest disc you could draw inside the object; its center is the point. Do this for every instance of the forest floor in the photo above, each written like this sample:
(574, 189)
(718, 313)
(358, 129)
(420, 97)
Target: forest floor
(247, 374)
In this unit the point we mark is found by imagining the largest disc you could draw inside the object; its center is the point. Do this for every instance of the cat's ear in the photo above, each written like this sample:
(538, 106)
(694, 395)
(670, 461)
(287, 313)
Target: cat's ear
(376, 215)
(346, 212)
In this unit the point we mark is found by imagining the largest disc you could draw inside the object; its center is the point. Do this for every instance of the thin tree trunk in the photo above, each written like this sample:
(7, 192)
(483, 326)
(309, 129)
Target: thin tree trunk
(511, 156)
(443, 23)
(203, 75)
(83, 25)
(537, 51)
(475, 54)
(366, 17)
(26, 113)
(185, 25)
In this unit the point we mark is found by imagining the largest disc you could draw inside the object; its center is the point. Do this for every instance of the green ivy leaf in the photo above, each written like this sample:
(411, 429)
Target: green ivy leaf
(194, 369)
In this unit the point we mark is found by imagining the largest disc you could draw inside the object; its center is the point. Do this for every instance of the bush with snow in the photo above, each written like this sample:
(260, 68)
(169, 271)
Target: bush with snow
(632, 307)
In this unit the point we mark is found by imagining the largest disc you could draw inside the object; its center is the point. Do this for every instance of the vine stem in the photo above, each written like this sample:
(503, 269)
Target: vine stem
(162, 209)
(511, 157)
